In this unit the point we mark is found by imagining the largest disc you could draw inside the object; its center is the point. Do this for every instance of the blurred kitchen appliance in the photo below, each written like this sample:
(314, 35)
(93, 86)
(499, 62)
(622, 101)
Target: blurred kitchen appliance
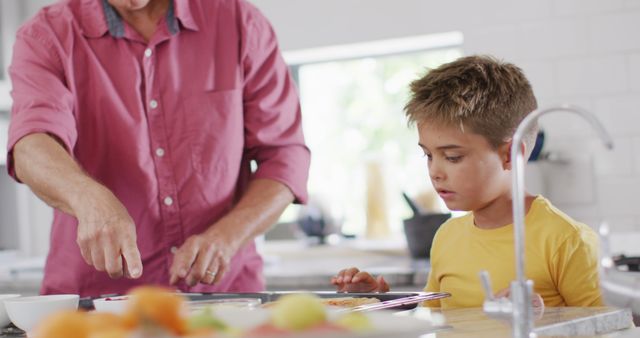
(619, 288)
(421, 228)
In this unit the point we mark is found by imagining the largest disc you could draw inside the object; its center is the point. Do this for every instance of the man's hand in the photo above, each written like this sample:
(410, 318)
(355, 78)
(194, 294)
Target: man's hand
(354, 280)
(203, 258)
(107, 234)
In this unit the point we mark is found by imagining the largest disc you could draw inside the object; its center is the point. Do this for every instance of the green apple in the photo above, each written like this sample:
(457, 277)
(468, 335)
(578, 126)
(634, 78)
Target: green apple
(205, 319)
(298, 312)
(355, 321)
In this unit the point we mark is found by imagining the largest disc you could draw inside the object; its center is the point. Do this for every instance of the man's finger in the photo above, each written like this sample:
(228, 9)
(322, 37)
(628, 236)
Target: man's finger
(97, 257)
(222, 268)
(112, 260)
(86, 253)
(182, 261)
(132, 259)
(199, 267)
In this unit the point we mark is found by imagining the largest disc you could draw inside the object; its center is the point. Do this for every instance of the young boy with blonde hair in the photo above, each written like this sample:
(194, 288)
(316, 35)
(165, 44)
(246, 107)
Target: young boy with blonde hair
(466, 112)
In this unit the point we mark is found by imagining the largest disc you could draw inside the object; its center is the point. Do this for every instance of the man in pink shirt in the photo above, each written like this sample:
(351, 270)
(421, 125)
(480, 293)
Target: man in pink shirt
(139, 121)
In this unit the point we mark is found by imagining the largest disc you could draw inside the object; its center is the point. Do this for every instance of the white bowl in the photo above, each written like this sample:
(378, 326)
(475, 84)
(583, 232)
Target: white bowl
(116, 305)
(4, 319)
(27, 312)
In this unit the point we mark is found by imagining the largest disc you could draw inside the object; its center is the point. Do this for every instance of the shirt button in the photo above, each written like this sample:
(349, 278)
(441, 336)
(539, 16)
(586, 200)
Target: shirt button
(148, 52)
(160, 152)
(173, 249)
(168, 200)
(153, 104)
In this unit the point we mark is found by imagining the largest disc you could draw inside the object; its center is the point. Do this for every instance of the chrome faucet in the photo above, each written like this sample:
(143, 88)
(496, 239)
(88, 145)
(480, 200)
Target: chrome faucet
(521, 288)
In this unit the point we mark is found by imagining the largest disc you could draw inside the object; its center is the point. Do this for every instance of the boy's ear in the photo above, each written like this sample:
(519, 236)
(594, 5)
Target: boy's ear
(505, 154)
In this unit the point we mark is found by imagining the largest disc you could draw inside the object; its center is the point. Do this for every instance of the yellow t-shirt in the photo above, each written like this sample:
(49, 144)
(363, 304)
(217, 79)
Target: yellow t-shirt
(561, 257)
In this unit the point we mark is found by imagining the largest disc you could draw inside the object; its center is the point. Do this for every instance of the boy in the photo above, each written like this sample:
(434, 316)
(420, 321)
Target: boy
(466, 113)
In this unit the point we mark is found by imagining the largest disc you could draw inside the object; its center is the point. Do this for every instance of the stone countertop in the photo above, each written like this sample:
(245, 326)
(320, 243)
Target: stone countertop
(560, 321)
(555, 322)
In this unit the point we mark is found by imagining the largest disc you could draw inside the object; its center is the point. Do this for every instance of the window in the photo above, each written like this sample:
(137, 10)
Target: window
(11, 13)
(2, 48)
(355, 126)
(9, 20)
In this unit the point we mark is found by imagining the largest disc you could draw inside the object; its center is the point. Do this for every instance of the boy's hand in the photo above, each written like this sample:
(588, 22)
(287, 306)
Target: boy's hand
(354, 280)
(536, 300)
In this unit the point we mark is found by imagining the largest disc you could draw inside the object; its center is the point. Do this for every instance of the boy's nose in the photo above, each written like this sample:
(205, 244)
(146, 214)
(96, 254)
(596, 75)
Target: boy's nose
(435, 173)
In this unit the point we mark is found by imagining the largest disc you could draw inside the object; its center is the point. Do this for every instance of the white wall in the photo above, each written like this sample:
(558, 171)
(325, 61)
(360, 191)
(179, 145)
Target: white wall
(25, 221)
(585, 52)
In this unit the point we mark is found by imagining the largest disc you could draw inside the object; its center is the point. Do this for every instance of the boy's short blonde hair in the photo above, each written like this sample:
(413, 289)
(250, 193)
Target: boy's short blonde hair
(486, 95)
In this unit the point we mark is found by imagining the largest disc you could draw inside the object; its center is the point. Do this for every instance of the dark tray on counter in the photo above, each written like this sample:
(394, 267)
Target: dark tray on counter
(266, 297)
(11, 332)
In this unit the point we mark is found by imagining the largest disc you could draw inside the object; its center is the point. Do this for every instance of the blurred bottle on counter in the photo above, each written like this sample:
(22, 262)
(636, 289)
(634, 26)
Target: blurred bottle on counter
(429, 201)
(377, 206)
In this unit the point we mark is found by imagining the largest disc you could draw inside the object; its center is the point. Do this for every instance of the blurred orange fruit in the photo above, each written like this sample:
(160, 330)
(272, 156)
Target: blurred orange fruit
(101, 321)
(65, 324)
(111, 333)
(150, 305)
(200, 333)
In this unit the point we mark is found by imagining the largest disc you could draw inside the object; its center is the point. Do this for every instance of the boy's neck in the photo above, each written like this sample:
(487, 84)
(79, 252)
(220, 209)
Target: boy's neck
(498, 213)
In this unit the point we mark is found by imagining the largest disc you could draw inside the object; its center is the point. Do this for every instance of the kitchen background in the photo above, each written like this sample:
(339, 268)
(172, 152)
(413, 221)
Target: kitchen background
(353, 60)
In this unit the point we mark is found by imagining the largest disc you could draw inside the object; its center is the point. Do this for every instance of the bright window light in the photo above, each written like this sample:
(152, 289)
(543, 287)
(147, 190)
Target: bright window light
(352, 101)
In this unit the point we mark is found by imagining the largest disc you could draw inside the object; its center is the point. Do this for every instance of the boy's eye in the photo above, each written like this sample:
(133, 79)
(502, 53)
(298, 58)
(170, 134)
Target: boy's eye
(453, 159)
(428, 156)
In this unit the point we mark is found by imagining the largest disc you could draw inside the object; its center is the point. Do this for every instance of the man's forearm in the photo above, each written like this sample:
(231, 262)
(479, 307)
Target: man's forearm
(46, 167)
(259, 208)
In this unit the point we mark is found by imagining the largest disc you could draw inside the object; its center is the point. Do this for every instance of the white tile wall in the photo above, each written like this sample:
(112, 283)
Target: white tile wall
(636, 156)
(585, 7)
(541, 74)
(620, 114)
(585, 52)
(554, 39)
(626, 242)
(565, 127)
(618, 195)
(610, 32)
(592, 75)
(495, 40)
(612, 162)
(633, 4)
(633, 62)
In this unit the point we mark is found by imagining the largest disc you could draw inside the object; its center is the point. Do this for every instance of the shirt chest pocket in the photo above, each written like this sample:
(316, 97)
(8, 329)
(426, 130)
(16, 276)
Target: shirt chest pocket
(214, 129)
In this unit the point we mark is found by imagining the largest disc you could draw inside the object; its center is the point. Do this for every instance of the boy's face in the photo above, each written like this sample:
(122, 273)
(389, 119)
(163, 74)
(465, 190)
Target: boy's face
(465, 170)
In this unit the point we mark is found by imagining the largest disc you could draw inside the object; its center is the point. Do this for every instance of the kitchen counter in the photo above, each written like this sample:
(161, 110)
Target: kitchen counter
(565, 321)
(289, 265)
(294, 265)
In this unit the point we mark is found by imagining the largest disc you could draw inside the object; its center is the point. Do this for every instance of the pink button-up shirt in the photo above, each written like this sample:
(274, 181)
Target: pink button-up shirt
(170, 125)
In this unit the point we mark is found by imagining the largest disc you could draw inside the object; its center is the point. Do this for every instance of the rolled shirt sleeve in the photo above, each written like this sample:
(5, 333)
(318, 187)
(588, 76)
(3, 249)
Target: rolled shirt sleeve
(273, 127)
(41, 101)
